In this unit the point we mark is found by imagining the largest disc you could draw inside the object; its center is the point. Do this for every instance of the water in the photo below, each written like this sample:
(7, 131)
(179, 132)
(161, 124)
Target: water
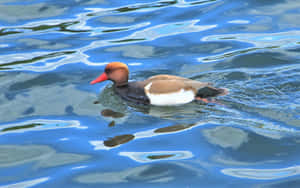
(59, 131)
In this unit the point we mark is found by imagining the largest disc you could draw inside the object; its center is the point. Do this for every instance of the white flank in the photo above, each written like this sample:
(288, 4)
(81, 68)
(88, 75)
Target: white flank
(168, 99)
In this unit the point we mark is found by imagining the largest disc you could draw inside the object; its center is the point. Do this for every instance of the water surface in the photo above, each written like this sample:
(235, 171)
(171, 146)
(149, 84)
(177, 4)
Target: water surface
(56, 130)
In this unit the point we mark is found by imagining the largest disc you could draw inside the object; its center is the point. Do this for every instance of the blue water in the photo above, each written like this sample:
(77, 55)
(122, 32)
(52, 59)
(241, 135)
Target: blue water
(56, 130)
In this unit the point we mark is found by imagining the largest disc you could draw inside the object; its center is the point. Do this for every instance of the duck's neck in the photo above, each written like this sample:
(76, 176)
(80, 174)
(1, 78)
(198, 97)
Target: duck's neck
(121, 84)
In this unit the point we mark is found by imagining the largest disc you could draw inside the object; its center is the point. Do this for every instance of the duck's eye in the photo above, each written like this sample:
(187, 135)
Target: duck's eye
(107, 70)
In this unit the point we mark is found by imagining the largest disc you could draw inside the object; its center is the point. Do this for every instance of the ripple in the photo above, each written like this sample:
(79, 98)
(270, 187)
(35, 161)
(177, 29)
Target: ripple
(147, 7)
(103, 30)
(170, 29)
(6, 31)
(144, 6)
(49, 56)
(28, 183)
(39, 125)
(44, 156)
(265, 128)
(134, 51)
(44, 96)
(138, 174)
(27, 161)
(117, 19)
(239, 21)
(15, 13)
(146, 157)
(44, 62)
(226, 136)
(42, 27)
(33, 58)
(260, 41)
(154, 173)
(183, 3)
(262, 174)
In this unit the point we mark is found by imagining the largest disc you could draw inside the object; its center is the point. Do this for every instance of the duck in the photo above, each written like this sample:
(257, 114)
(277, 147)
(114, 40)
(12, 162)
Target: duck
(158, 90)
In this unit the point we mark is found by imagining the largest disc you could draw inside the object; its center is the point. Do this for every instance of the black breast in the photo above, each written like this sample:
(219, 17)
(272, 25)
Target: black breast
(132, 92)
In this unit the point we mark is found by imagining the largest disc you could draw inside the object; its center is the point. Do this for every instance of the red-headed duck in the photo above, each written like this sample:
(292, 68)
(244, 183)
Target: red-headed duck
(160, 90)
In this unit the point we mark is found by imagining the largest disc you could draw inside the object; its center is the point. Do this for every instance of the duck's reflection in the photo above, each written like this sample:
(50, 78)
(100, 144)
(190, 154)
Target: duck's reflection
(118, 140)
(111, 107)
(111, 113)
(38, 125)
(145, 157)
(125, 138)
(108, 113)
(112, 124)
(116, 111)
(174, 128)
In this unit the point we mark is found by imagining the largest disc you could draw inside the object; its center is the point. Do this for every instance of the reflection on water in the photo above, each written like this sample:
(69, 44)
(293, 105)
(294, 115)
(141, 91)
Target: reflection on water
(28, 183)
(43, 156)
(117, 140)
(263, 174)
(32, 125)
(122, 139)
(226, 136)
(39, 125)
(173, 128)
(34, 160)
(15, 13)
(170, 29)
(111, 113)
(143, 173)
(155, 174)
(117, 19)
(43, 44)
(57, 130)
(146, 157)
(259, 42)
(134, 51)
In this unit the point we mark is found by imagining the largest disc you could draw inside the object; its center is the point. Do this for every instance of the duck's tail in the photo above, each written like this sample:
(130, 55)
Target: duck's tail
(209, 91)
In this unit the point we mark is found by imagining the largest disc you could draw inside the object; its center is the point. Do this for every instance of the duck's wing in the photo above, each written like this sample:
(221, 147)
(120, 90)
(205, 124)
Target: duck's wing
(178, 91)
(171, 84)
(166, 77)
(160, 86)
(169, 92)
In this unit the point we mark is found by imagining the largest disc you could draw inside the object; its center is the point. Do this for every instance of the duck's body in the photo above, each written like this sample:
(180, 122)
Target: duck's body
(157, 90)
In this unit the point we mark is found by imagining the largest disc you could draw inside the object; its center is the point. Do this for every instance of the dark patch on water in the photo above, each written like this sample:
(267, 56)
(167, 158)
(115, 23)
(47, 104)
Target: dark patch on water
(155, 157)
(112, 124)
(41, 80)
(10, 95)
(111, 113)
(173, 128)
(69, 110)
(21, 127)
(28, 111)
(118, 140)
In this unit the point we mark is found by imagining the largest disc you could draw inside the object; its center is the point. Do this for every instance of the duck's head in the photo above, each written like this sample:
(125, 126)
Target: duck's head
(115, 71)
